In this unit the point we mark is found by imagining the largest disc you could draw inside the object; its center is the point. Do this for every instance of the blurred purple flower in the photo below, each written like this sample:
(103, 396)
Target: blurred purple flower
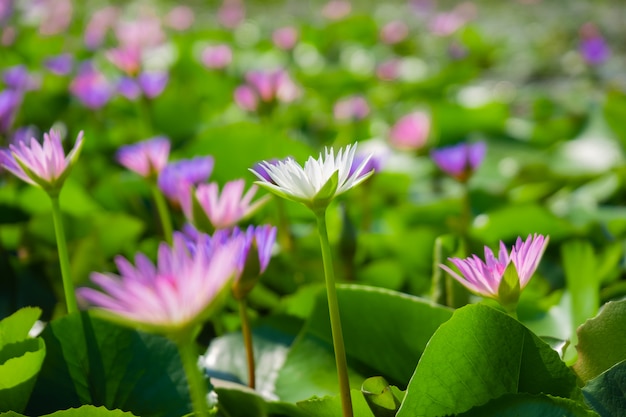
(460, 161)
(254, 258)
(394, 32)
(224, 210)
(91, 87)
(60, 64)
(411, 131)
(153, 83)
(23, 135)
(373, 162)
(260, 170)
(10, 102)
(285, 37)
(6, 10)
(484, 277)
(44, 166)
(181, 290)
(351, 108)
(147, 158)
(216, 56)
(592, 47)
(18, 78)
(177, 177)
(129, 88)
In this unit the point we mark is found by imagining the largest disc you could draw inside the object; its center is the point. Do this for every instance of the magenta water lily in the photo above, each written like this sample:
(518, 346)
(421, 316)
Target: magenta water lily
(486, 277)
(182, 289)
(146, 158)
(44, 165)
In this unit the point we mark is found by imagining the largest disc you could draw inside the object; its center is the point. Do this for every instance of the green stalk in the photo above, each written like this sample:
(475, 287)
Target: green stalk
(64, 260)
(164, 213)
(247, 341)
(197, 384)
(335, 319)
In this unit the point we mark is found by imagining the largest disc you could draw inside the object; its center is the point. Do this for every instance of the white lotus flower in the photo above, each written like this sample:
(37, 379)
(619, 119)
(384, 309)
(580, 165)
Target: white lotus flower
(319, 181)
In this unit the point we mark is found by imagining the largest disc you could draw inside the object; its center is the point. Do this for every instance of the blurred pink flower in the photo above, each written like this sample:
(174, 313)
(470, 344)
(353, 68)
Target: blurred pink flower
(246, 98)
(444, 24)
(147, 158)
(91, 87)
(484, 277)
(101, 21)
(224, 210)
(394, 32)
(389, 70)
(56, 16)
(180, 18)
(231, 13)
(216, 56)
(411, 131)
(179, 291)
(44, 166)
(285, 37)
(127, 59)
(267, 87)
(143, 32)
(336, 9)
(351, 108)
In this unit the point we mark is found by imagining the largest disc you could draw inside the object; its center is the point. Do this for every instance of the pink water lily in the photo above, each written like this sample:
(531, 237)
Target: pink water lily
(179, 291)
(146, 158)
(44, 165)
(225, 209)
(484, 277)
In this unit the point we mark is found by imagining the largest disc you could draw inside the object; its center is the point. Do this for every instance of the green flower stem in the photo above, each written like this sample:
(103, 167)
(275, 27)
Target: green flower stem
(247, 341)
(195, 380)
(164, 213)
(335, 320)
(64, 260)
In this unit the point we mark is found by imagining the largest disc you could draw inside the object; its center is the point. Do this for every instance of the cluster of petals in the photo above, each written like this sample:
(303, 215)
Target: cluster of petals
(177, 178)
(224, 210)
(147, 158)
(484, 277)
(289, 179)
(176, 292)
(44, 165)
(265, 87)
(460, 161)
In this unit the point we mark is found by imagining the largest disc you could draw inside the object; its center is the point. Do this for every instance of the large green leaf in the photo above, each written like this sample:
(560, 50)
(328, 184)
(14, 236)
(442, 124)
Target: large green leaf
(374, 341)
(479, 355)
(515, 405)
(91, 361)
(331, 406)
(607, 392)
(84, 411)
(239, 401)
(601, 341)
(16, 327)
(20, 358)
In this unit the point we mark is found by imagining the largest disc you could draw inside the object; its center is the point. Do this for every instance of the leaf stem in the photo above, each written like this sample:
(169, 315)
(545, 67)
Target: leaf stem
(335, 319)
(247, 341)
(197, 384)
(64, 260)
(164, 213)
